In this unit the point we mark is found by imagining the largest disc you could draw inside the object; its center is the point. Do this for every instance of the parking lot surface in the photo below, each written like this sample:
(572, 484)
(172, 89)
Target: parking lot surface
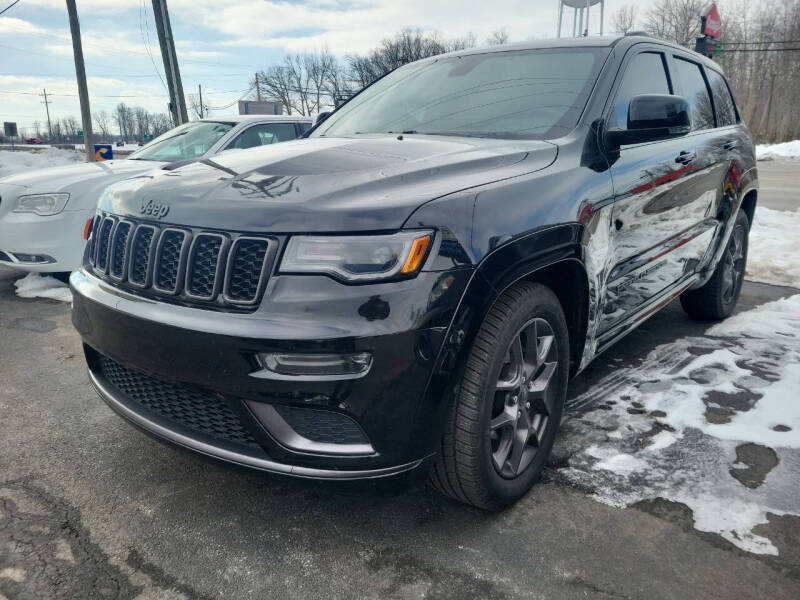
(92, 508)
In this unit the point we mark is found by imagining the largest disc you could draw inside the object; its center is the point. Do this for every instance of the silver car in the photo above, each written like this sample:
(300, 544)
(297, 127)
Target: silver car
(44, 213)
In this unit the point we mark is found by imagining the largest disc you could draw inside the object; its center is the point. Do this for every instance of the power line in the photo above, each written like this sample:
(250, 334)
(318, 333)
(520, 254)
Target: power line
(143, 53)
(760, 50)
(76, 95)
(9, 6)
(763, 43)
(143, 14)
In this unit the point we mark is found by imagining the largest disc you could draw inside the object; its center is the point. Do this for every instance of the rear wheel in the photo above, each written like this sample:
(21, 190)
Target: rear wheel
(717, 298)
(504, 420)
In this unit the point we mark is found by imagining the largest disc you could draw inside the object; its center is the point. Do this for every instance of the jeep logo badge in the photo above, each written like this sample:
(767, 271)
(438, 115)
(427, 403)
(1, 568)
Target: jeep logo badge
(154, 209)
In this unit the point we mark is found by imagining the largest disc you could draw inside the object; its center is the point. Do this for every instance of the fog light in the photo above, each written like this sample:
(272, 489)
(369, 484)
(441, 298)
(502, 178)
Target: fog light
(33, 258)
(280, 365)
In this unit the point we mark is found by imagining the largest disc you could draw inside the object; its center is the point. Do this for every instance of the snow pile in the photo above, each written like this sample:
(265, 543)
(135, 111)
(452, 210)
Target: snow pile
(773, 151)
(774, 254)
(674, 426)
(34, 285)
(16, 162)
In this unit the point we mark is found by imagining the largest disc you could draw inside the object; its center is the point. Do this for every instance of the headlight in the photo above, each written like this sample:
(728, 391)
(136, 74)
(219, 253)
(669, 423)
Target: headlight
(358, 258)
(42, 204)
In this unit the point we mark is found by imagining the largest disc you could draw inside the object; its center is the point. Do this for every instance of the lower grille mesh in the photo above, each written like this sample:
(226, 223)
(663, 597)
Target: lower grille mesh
(322, 426)
(197, 411)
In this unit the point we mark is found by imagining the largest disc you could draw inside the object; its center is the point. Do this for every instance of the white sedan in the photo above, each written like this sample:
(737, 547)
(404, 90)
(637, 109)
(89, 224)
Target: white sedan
(45, 214)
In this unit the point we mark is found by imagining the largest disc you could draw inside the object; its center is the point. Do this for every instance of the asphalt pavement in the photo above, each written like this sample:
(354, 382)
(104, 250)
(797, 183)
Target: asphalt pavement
(92, 508)
(780, 184)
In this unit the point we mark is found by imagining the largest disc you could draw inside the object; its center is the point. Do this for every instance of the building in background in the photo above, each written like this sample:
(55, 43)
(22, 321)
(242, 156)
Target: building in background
(255, 107)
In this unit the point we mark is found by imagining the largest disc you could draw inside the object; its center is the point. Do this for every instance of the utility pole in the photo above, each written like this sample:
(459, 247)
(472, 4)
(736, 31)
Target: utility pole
(200, 92)
(170, 58)
(80, 75)
(47, 108)
(258, 88)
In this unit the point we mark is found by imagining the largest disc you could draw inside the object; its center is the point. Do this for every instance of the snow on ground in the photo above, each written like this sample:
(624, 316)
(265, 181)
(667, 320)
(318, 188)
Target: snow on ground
(710, 422)
(34, 285)
(774, 254)
(15, 162)
(773, 151)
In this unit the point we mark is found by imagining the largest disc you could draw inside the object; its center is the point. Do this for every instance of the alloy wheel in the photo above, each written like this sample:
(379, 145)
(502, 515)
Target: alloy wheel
(524, 398)
(734, 264)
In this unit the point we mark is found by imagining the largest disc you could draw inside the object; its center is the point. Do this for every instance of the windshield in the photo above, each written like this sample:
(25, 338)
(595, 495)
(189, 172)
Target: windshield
(528, 94)
(186, 141)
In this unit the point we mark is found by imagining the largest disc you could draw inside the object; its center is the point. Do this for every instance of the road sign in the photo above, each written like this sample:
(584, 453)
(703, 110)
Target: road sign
(10, 129)
(103, 152)
(712, 23)
(80, 133)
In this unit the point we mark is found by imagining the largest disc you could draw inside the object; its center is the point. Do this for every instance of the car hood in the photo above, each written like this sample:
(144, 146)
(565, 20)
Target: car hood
(84, 182)
(324, 184)
(57, 179)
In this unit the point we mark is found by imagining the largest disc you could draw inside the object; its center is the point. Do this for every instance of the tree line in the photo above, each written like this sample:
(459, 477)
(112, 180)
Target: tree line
(128, 123)
(763, 73)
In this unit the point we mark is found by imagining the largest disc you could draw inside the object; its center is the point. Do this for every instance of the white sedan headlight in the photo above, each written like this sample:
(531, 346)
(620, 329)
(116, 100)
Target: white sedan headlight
(42, 204)
(358, 258)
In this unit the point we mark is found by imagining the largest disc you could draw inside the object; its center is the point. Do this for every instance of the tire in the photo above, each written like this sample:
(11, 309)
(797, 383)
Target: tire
(470, 466)
(62, 276)
(717, 298)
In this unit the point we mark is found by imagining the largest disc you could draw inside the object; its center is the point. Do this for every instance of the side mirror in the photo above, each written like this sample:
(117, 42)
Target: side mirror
(651, 118)
(321, 117)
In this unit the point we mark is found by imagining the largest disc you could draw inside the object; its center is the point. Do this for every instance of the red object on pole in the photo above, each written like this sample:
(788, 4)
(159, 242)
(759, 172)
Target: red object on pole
(712, 23)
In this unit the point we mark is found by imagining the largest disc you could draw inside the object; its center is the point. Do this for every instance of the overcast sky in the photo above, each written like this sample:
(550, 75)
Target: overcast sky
(220, 43)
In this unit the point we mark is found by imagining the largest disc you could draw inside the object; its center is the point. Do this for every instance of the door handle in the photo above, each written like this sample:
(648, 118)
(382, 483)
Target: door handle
(730, 145)
(686, 157)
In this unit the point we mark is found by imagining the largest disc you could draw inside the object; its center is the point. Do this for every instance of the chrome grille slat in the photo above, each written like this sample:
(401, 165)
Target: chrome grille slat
(168, 268)
(245, 272)
(104, 243)
(205, 264)
(93, 238)
(119, 250)
(208, 269)
(141, 255)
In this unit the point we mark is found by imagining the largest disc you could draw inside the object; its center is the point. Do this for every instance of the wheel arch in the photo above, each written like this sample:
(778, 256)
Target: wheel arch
(749, 204)
(551, 256)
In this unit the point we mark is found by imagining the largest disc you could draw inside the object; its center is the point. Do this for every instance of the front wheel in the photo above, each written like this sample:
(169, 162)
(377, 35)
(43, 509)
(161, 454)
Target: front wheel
(717, 298)
(504, 420)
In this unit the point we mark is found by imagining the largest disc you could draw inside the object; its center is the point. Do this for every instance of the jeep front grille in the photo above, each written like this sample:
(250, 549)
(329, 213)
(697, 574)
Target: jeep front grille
(223, 270)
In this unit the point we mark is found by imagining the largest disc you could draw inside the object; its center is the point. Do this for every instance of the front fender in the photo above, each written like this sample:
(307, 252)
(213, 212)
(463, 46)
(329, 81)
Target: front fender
(515, 260)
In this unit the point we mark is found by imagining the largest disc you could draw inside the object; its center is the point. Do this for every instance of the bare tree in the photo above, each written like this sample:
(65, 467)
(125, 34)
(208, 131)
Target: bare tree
(405, 47)
(498, 37)
(160, 123)
(103, 122)
(142, 118)
(675, 20)
(276, 81)
(194, 106)
(624, 19)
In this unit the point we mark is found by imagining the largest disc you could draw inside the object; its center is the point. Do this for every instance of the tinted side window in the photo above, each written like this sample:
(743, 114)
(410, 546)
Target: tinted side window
(304, 127)
(266, 133)
(645, 74)
(723, 101)
(696, 93)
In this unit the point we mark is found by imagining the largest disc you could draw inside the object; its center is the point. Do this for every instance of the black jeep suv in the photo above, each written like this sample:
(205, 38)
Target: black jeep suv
(413, 285)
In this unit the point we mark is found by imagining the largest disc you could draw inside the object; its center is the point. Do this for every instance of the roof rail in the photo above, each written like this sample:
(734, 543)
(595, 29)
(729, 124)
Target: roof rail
(638, 34)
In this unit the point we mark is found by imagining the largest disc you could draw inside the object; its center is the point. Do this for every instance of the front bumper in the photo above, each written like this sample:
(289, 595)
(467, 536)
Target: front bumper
(58, 237)
(197, 355)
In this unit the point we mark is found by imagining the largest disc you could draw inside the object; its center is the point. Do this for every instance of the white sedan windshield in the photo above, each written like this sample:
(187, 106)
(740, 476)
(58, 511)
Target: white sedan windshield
(184, 142)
